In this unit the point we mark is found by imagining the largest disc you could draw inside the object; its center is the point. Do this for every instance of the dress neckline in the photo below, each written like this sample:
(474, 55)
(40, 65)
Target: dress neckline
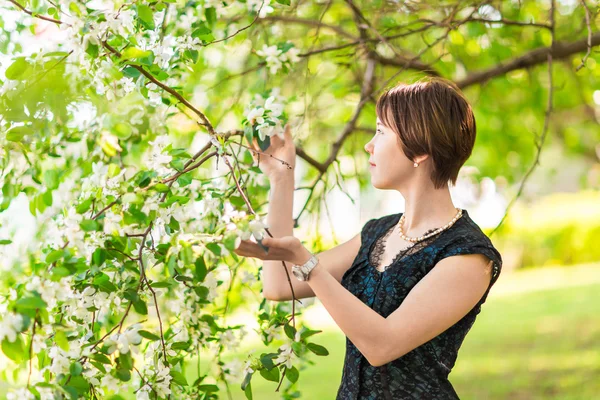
(394, 221)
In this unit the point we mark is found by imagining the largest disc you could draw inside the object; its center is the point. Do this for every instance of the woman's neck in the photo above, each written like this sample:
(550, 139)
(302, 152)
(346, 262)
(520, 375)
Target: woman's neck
(427, 208)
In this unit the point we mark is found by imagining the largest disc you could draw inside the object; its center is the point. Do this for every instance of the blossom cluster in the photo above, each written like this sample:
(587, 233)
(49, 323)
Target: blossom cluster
(264, 114)
(278, 56)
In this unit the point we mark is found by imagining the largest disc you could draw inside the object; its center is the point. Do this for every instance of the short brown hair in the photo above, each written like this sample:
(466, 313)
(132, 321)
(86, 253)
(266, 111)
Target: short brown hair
(431, 116)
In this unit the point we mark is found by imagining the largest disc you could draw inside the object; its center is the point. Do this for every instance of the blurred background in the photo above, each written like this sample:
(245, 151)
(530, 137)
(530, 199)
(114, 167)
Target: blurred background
(532, 183)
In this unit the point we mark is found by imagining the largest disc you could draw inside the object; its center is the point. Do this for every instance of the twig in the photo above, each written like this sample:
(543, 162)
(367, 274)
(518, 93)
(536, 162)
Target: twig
(539, 143)
(36, 15)
(589, 37)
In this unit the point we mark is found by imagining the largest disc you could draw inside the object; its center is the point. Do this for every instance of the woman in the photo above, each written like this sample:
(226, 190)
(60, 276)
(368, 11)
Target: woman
(406, 289)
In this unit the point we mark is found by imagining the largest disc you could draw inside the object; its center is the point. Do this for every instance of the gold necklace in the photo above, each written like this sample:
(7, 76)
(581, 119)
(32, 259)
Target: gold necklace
(435, 232)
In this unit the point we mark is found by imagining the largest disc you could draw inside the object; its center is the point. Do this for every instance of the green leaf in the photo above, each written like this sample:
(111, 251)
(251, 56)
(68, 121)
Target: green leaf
(201, 291)
(18, 70)
(89, 225)
(215, 248)
(290, 331)
(13, 350)
(180, 345)
(264, 144)
(267, 360)
(30, 302)
(211, 16)
(74, 9)
(103, 282)
(160, 285)
(161, 187)
(79, 384)
(148, 335)
(237, 201)
(101, 357)
(200, 269)
(123, 130)
(55, 255)
(270, 375)
(123, 374)
(247, 380)
(308, 333)
(179, 378)
(60, 338)
(40, 203)
(192, 55)
(230, 241)
(125, 361)
(131, 72)
(248, 391)
(203, 33)
(47, 197)
(17, 133)
(133, 52)
(56, 54)
(208, 388)
(145, 15)
(140, 307)
(292, 374)
(5, 241)
(99, 256)
(84, 206)
(76, 368)
(284, 2)
(52, 178)
(317, 349)
(183, 278)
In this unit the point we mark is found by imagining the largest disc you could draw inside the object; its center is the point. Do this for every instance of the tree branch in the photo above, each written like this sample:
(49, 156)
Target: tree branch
(534, 57)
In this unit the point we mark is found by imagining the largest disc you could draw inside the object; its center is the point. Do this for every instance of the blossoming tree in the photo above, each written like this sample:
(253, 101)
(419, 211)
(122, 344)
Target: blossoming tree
(123, 127)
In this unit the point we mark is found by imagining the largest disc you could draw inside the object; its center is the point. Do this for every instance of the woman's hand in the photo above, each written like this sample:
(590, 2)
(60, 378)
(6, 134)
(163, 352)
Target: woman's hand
(281, 149)
(287, 248)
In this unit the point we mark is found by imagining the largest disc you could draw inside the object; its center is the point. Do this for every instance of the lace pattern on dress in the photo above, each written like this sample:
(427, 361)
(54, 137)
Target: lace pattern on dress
(380, 244)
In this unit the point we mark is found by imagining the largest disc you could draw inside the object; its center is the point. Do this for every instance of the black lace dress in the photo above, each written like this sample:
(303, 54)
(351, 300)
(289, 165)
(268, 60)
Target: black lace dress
(423, 372)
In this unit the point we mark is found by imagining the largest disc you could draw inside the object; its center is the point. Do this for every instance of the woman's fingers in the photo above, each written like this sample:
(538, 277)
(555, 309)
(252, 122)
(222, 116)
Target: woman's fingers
(287, 132)
(251, 249)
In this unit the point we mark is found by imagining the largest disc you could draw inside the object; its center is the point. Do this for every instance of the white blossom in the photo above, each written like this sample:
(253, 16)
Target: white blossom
(248, 277)
(276, 58)
(60, 361)
(234, 369)
(248, 367)
(156, 160)
(256, 116)
(255, 5)
(163, 380)
(286, 356)
(187, 42)
(128, 84)
(10, 325)
(111, 383)
(271, 55)
(19, 394)
(125, 342)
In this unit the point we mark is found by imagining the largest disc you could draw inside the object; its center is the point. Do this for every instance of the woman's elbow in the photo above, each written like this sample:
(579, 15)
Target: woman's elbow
(271, 295)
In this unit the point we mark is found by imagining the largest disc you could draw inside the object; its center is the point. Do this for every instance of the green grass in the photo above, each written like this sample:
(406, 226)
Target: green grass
(534, 345)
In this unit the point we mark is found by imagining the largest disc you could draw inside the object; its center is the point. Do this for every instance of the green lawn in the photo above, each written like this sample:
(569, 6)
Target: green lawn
(536, 345)
(540, 344)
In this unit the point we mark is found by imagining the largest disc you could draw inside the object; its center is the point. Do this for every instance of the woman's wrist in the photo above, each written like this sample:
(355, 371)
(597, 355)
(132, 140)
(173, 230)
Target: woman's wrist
(285, 176)
(301, 256)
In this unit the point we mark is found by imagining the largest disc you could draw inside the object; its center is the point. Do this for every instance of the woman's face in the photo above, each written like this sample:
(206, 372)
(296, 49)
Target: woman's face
(392, 168)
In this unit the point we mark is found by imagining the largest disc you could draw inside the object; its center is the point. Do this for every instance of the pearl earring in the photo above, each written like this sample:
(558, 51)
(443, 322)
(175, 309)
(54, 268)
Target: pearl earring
(416, 165)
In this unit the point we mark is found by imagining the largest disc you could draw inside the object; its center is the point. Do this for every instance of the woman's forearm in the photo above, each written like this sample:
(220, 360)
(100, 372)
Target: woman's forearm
(281, 223)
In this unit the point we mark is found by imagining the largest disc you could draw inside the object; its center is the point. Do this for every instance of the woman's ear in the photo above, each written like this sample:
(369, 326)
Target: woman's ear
(420, 159)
